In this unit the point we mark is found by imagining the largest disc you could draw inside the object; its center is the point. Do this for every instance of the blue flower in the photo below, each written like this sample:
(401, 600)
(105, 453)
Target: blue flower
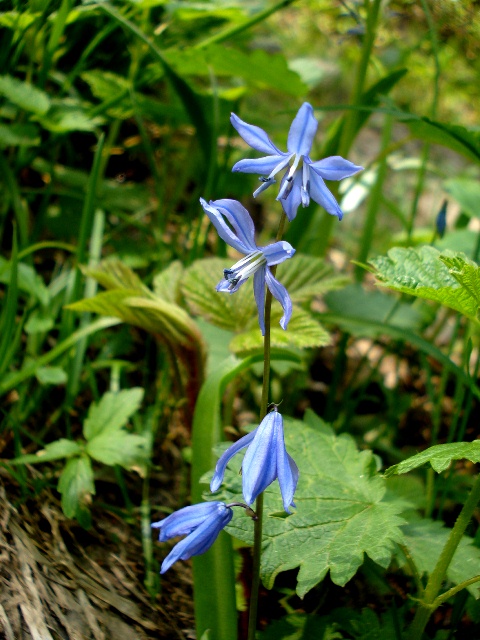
(266, 460)
(257, 261)
(296, 187)
(200, 522)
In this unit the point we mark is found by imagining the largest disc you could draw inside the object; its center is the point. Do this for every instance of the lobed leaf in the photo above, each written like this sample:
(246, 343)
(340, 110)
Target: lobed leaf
(57, 450)
(129, 450)
(440, 456)
(112, 412)
(340, 515)
(449, 278)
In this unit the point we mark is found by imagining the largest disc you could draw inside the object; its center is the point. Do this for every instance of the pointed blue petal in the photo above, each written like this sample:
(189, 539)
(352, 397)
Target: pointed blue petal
(322, 195)
(259, 293)
(278, 252)
(286, 468)
(280, 293)
(238, 217)
(302, 131)
(225, 458)
(259, 467)
(201, 539)
(254, 136)
(334, 168)
(294, 199)
(184, 520)
(262, 166)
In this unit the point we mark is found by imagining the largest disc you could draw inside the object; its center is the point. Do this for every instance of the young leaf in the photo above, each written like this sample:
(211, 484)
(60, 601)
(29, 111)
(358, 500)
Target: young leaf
(126, 449)
(425, 541)
(449, 278)
(340, 511)
(112, 412)
(76, 484)
(440, 456)
(62, 448)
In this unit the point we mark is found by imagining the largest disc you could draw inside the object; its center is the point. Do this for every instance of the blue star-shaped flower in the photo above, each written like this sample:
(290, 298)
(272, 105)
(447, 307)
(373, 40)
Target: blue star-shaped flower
(266, 460)
(257, 259)
(201, 523)
(296, 187)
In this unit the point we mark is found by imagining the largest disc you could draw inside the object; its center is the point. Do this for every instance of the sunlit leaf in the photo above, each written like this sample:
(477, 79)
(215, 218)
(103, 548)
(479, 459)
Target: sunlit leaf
(440, 456)
(24, 95)
(112, 412)
(56, 450)
(126, 449)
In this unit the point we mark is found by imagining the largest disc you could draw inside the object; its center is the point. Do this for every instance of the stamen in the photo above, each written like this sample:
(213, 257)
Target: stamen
(244, 268)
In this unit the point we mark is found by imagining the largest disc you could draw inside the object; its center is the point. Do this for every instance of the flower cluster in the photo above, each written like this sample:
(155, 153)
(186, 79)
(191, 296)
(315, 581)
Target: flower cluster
(266, 458)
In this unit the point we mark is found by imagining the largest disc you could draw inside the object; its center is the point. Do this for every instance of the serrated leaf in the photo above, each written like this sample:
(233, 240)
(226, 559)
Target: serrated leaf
(449, 278)
(303, 332)
(112, 412)
(440, 456)
(76, 484)
(166, 284)
(340, 511)
(126, 449)
(233, 312)
(19, 135)
(62, 448)
(24, 95)
(425, 540)
(306, 277)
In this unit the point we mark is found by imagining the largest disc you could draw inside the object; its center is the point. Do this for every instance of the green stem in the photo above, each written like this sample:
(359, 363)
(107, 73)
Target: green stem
(437, 577)
(258, 526)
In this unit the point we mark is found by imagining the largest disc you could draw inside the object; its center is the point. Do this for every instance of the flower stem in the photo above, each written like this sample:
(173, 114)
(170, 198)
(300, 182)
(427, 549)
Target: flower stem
(429, 597)
(258, 523)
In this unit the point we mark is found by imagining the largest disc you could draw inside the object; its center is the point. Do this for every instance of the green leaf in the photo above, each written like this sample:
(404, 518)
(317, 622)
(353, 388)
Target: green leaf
(76, 484)
(112, 412)
(106, 85)
(439, 456)
(303, 332)
(28, 280)
(24, 95)
(166, 284)
(120, 447)
(425, 541)
(19, 135)
(467, 193)
(51, 375)
(306, 277)
(62, 448)
(62, 118)
(449, 278)
(340, 511)
(461, 139)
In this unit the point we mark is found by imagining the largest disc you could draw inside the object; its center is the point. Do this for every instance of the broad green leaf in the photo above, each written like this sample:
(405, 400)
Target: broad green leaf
(51, 375)
(120, 447)
(467, 193)
(166, 284)
(439, 456)
(303, 332)
(62, 448)
(425, 541)
(24, 95)
(106, 85)
(19, 135)
(365, 624)
(112, 412)
(64, 117)
(340, 514)
(460, 139)
(28, 280)
(306, 277)
(233, 312)
(449, 278)
(76, 484)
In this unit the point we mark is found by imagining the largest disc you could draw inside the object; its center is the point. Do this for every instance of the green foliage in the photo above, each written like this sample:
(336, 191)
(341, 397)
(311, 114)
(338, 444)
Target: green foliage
(440, 456)
(449, 278)
(24, 95)
(112, 412)
(76, 484)
(341, 512)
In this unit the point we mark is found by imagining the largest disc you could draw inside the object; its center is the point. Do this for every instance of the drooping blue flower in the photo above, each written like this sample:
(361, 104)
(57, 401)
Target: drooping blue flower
(257, 261)
(201, 523)
(266, 460)
(296, 187)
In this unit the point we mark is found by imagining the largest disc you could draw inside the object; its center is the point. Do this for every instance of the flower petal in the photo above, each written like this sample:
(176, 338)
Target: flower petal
(281, 294)
(260, 165)
(225, 458)
(334, 168)
(259, 467)
(254, 136)
(259, 293)
(238, 217)
(278, 252)
(291, 203)
(201, 539)
(302, 131)
(287, 471)
(322, 195)
(184, 520)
